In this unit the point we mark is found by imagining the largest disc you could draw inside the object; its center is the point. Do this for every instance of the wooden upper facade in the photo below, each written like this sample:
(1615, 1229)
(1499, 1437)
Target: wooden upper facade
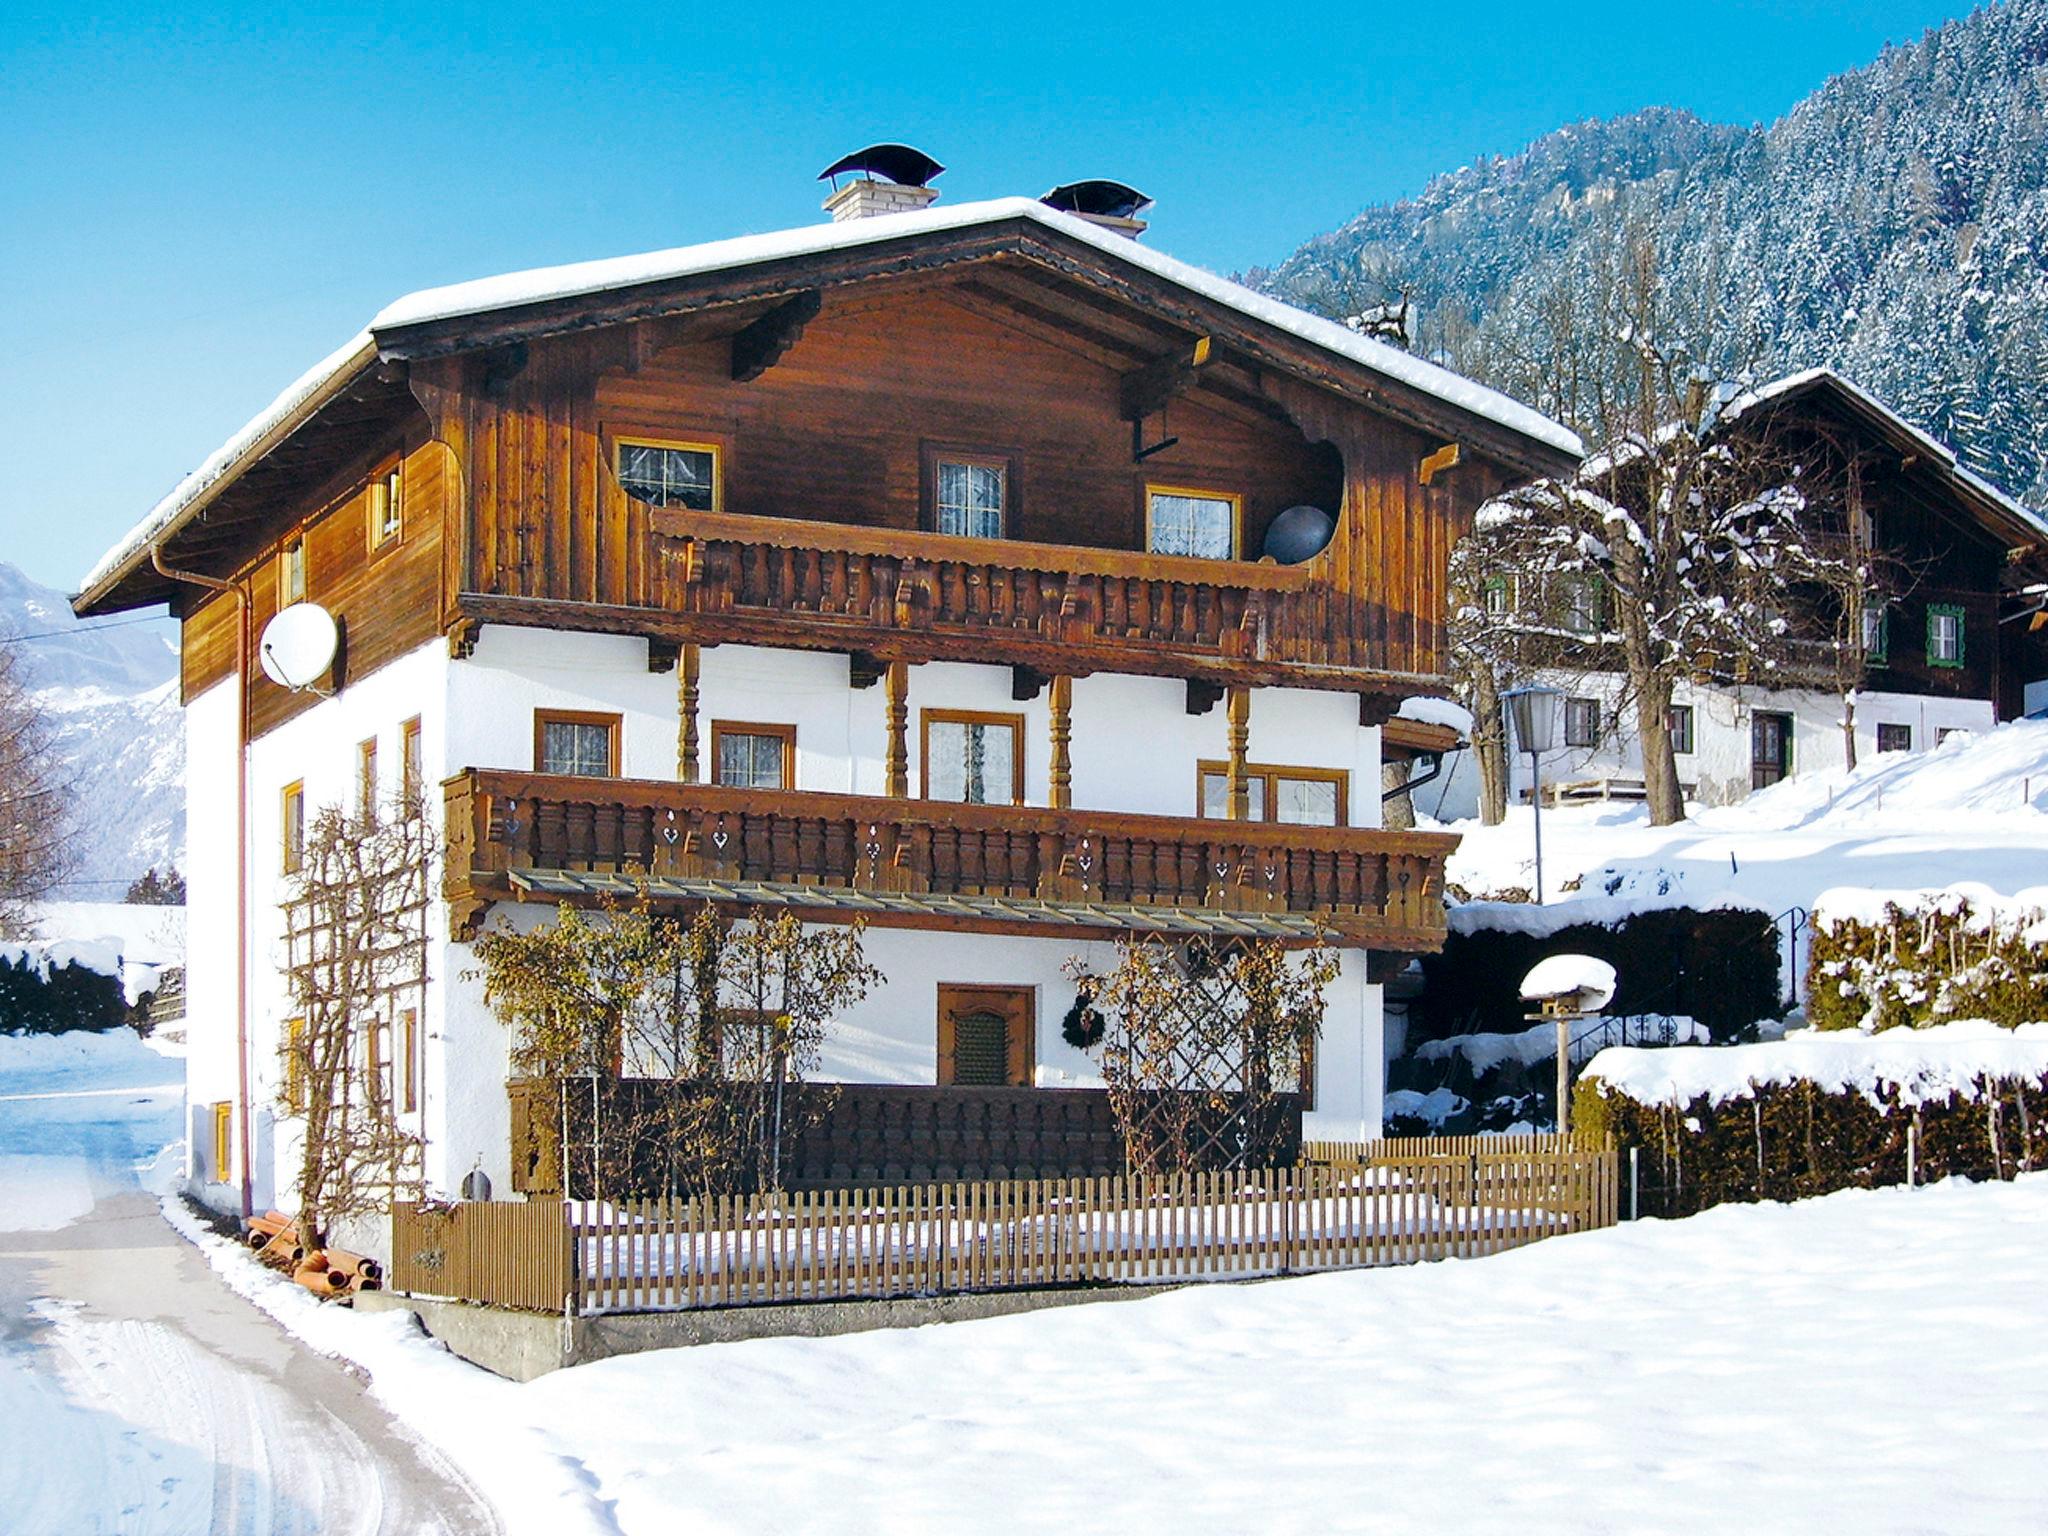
(830, 385)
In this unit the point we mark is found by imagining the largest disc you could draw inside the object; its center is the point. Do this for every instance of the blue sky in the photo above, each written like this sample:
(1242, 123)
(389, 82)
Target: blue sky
(198, 206)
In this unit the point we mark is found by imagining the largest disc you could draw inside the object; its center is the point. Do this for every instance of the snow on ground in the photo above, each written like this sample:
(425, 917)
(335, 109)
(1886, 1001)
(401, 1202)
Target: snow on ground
(78, 1113)
(1973, 808)
(1887, 1373)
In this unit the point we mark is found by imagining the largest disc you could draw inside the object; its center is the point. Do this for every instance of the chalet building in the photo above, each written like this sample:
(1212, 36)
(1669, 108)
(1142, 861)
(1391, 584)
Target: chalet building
(913, 564)
(1959, 648)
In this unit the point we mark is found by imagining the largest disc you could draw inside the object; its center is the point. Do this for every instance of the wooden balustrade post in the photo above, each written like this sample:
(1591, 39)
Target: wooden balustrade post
(896, 717)
(1061, 796)
(688, 768)
(1237, 782)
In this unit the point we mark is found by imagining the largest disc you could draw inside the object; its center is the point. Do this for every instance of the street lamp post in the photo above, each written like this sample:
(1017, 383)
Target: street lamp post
(1532, 708)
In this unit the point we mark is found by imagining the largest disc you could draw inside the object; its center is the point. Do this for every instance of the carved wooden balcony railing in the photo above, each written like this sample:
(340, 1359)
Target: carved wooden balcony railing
(939, 596)
(1365, 886)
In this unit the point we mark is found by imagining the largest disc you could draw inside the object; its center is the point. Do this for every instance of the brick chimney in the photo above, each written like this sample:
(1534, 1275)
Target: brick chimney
(888, 178)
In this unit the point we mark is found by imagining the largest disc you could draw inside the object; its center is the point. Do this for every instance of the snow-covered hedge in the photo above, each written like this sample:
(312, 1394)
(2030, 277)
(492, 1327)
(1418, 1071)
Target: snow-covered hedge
(1885, 958)
(49, 988)
(1719, 967)
(1818, 1111)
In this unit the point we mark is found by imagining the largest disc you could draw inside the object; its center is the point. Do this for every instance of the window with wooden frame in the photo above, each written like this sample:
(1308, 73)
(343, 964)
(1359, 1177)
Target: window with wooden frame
(669, 473)
(292, 825)
(366, 779)
(577, 742)
(1877, 630)
(986, 1037)
(747, 755)
(1944, 634)
(411, 765)
(1585, 604)
(1304, 797)
(295, 1065)
(1582, 722)
(1894, 738)
(223, 1140)
(967, 492)
(409, 1068)
(1680, 718)
(1307, 1088)
(1180, 520)
(384, 508)
(971, 757)
(377, 1065)
(291, 571)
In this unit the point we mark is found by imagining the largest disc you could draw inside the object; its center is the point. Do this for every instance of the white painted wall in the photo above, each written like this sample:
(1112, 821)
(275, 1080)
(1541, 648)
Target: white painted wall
(1718, 768)
(1135, 749)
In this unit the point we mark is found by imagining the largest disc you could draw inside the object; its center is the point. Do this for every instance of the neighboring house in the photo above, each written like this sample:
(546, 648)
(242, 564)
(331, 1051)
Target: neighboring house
(908, 564)
(1957, 649)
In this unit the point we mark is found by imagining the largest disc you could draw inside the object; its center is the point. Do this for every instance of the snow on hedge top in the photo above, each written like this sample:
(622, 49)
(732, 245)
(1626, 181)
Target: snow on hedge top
(357, 352)
(1541, 922)
(1918, 1064)
(584, 277)
(1431, 711)
(1986, 910)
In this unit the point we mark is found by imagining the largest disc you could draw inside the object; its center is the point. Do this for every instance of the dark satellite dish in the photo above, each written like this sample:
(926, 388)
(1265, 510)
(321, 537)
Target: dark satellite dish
(1299, 534)
(1104, 199)
(899, 163)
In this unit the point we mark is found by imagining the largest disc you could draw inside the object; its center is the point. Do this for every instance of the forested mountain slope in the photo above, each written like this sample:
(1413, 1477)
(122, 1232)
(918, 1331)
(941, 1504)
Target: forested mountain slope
(1894, 225)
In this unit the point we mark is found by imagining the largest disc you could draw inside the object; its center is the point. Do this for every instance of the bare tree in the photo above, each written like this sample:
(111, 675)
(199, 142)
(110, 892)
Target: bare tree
(38, 848)
(356, 961)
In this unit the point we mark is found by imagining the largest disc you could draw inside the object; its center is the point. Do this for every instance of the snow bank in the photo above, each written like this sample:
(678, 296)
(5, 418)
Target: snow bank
(1431, 1108)
(1538, 1043)
(1919, 1065)
(46, 955)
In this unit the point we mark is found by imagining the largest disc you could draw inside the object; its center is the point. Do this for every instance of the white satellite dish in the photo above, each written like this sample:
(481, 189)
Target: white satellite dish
(298, 645)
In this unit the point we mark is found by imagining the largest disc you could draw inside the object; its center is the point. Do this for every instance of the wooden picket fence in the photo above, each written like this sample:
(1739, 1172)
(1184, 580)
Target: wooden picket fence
(1346, 1206)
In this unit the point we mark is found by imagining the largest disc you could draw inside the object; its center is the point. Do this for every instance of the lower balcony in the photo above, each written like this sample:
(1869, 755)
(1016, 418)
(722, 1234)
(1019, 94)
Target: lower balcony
(518, 836)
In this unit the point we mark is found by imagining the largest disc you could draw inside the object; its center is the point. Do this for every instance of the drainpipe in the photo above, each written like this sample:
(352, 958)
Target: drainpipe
(242, 618)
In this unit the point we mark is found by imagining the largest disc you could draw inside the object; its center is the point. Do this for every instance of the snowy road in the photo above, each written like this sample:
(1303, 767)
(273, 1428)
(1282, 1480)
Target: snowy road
(142, 1395)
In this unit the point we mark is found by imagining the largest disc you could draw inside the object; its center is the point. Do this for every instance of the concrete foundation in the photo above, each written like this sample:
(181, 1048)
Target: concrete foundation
(523, 1345)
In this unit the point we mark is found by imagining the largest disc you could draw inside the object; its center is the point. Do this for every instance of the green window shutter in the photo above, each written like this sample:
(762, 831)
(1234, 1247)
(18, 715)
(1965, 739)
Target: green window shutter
(1944, 646)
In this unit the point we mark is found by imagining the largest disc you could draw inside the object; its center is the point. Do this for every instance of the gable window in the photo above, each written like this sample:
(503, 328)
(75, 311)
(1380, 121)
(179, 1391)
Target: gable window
(1894, 738)
(1944, 634)
(1681, 727)
(366, 779)
(293, 810)
(383, 510)
(1581, 722)
(970, 496)
(1876, 629)
(973, 758)
(573, 741)
(1185, 522)
(411, 765)
(753, 756)
(670, 474)
(1306, 797)
(291, 572)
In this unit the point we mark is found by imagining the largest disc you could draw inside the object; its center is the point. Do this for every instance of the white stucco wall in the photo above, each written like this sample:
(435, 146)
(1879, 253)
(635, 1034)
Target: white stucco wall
(1718, 767)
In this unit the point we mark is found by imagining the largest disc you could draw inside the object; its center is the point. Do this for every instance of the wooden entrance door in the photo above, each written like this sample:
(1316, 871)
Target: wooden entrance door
(987, 1037)
(1770, 748)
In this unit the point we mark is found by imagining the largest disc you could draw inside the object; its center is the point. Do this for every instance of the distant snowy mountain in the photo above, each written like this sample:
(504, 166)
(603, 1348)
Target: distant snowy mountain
(1893, 226)
(112, 694)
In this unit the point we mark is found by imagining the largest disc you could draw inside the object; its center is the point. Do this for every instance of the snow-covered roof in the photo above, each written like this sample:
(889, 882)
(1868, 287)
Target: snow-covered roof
(542, 284)
(1933, 447)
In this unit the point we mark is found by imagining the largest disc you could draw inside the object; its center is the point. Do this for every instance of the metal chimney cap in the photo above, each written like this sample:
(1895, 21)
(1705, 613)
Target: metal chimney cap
(1104, 198)
(900, 163)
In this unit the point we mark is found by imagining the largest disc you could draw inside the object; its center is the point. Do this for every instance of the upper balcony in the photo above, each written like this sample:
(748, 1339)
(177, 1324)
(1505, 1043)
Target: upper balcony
(921, 863)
